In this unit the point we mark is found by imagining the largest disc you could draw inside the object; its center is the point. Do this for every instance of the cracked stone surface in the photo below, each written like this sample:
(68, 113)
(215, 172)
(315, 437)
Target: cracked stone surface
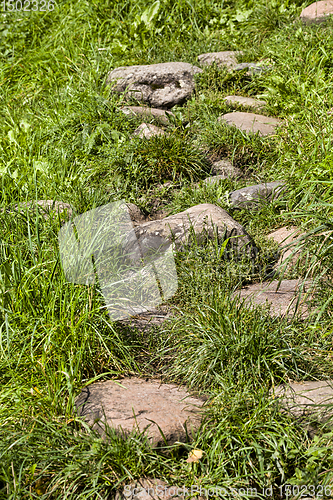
(141, 405)
(251, 122)
(159, 115)
(245, 101)
(254, 196)
(317, 12)
(147, 130)
(226, 58)
(282, 299)
(160, 85)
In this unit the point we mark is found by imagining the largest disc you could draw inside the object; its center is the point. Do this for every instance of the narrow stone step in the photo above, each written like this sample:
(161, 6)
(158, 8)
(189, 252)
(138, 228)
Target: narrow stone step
(245, 101)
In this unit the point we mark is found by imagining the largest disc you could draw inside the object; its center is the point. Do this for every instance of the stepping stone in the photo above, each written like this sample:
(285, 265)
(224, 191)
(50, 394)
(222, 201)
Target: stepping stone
(254, 68)
(312, 400)
(282, 299)
(255, 196)
(46, 205)
(157, 114)
(141, 405)
(226, 168)
(226, 58)
(147, 131)
(284, 237)
(245, 101)
(251, 122)
(205, 219)
(156, 489)
(317, 12)
(160, 85)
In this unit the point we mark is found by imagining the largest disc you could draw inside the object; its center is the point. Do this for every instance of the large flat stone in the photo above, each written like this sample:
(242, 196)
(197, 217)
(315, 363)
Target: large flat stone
(317, 12)
(245, 101)
(160, 85)
(255, 196)
(159, 115)
(312, 400)
(226, 58)
(251, 122)
(282, 299)
(141, 405)
(286, 237)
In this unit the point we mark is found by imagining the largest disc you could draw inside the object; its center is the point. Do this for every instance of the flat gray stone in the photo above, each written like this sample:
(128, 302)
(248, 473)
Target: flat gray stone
(147, 131)
(317, 12)
(205, 219)
(245, 101)
(282, 299)
(313, 400)
(159, 115)
(226, 58)
(251, 122)
(255, 196)
(46, 206)
(141, 405)
(226, 168)
(160, 85)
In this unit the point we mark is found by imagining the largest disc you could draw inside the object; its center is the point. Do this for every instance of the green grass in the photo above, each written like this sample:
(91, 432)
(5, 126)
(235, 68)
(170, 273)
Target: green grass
(63, 136)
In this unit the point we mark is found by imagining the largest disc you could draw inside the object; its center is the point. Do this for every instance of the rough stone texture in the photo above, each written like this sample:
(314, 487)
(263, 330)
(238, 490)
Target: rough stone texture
(313, 400)
(154, 489)
(251, 122)
(253, 68)
(226, 58)
(45, 205)
(245, 101)
(141, 405)
(205, 217)
(226, 168)
(135, 213)
(159, 115)
(159, 85)
(282, 299)
(284, 237)
(147, 130)
(255, 196)
(317, 12)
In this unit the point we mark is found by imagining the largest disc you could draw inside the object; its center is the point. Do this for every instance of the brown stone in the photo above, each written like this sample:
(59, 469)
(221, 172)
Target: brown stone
(282, 299)
(225, 167)
(159, 115)
(147, 130)
(286, 238)
(135, 213)
(317, 12)
(251, 122)
(245, 101)
(134, 404)
(226, 58)
(160, 85)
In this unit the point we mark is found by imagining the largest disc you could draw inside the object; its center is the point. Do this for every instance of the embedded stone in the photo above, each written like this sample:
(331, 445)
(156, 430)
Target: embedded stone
(226, 168)
(160, 85)
(287, 239)
(226, 58)
(253, 68)
(134, 404)
(251, 122)
(147, 131)
(245, 101)
(159, 115)
(317, 12)
(255, 196)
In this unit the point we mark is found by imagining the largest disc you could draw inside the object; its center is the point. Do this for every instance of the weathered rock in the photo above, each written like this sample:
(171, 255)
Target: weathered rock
(286, 237)
(141, 405)
(159, 85)
(136, 215)
(226, 58)
(204, 219)
(309, 400)
(147, 130)
(317, 12)
(282, 299)
(226, 168)
(45, 205)
(255, 196)
(154, 489)
(159, 115)
(251, 122)
(245, 101)
(253, 68)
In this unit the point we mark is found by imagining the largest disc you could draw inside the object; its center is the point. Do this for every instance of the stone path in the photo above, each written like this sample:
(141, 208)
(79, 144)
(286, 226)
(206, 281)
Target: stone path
(141, 405)
(251, 122)
(245, 101)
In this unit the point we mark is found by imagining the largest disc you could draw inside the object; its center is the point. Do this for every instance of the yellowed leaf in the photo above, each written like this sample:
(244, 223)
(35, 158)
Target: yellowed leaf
(194, 456)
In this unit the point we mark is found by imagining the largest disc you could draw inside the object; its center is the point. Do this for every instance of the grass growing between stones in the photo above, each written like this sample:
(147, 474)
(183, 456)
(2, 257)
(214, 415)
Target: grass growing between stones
(64, 137)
